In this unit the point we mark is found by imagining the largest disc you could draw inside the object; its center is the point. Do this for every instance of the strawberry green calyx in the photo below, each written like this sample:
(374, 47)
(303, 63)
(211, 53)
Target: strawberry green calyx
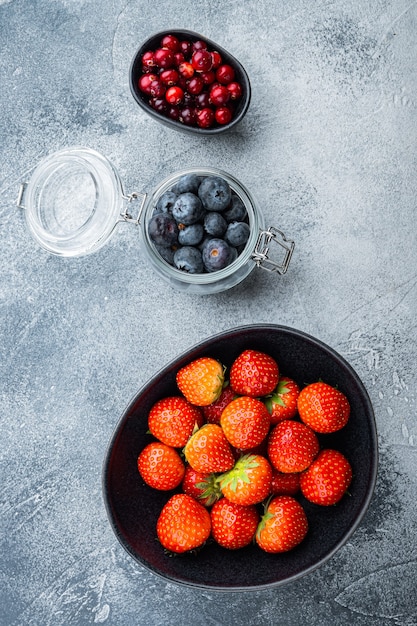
(210, 490)
(239, 473)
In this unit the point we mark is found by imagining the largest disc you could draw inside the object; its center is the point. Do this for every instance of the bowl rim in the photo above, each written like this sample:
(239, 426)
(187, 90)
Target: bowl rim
(182, 357)
(173, 123)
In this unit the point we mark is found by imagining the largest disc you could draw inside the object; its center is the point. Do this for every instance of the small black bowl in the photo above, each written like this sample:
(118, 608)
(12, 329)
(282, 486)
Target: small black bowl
(133, 508)
(241, 76)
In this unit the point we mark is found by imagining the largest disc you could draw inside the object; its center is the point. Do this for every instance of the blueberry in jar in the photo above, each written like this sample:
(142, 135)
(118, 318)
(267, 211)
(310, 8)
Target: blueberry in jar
(163, 230)
(237, 233)
(191, 235)
(217, 254)
(214, 193)
(188, 209)
(166, 202)
(187, 182)
(215, 224)
(189, 259)
(236, 212)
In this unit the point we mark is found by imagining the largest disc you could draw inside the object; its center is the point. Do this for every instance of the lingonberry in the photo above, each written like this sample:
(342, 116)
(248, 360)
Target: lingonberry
(174, 95)
(201, 60)
(205, 117)
(219, 95)
(164, 57)
(225, 74)
(171, 42)
(223, 115)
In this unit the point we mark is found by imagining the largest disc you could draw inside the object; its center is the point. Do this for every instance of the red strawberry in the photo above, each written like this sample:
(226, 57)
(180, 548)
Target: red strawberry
(233, 526)
(208, 450)
(249, 482)
(245, 422)
(160, 466)
(324, 408)
(285, 484)
(213, 412)
(183, 524)
(282, 403)
(327, 479)
(283, 526)
(203, 487)
(201, 381)
(172, 420)
(292, 446)
(254, 374)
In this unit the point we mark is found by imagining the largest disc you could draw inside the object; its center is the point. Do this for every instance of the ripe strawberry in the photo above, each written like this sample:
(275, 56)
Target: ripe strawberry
(327, 479)
(208, 450)
(245, 422)
(201, 381)
(212, 413)
(285, 484)
(160, 466)
(183, 524)
(203, 487)
(172, 420)
(233, 526)
(249, 482)
(283, 526)
(254, 374)
(292, 446)
(282, 403)
(324, 408)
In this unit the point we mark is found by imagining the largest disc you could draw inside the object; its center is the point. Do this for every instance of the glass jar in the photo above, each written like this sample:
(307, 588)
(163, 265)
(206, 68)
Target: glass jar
(74, 200)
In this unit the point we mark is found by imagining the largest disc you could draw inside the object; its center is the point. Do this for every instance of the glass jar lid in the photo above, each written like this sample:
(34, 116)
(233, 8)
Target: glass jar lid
(72, 201)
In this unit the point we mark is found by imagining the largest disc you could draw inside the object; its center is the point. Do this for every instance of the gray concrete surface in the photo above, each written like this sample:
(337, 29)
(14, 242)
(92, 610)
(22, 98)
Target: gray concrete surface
(328, 148)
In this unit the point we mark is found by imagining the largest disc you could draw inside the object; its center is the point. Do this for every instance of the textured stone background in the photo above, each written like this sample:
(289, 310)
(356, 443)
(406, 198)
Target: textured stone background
(329, 150)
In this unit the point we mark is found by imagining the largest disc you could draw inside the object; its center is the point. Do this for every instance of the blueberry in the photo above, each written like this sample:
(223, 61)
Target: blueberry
(188, 259)
(167, 254)
(187, 182)
(191, 235)
(188, 209)
(217, 254)
(166, 202)
(215, 193)
(215, 224)
(237, 210)
(237, 233)
(163, 230)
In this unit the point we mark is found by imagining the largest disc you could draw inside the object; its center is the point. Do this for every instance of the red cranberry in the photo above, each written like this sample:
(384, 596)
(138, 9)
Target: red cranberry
(208, 77)
(145, 81)
(169, 77)
(201, 60)
(174, 95)
(159, 104)
(199, 45)
(195, 85)
(148, 59)
(202, 100)
(205, 117)
(187, 115)
(157, 88)
(186, 48)
(174, 113)
(216, 58)
(186, 69)
(223, 115)
(188, 98)
(235, 90)
(171, 42)
(164, 57)
(178, 58)
(219, 95)
(225, 74)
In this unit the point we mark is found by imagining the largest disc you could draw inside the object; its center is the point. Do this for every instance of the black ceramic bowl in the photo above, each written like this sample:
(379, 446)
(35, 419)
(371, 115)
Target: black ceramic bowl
(133, 508)
(241, 76)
